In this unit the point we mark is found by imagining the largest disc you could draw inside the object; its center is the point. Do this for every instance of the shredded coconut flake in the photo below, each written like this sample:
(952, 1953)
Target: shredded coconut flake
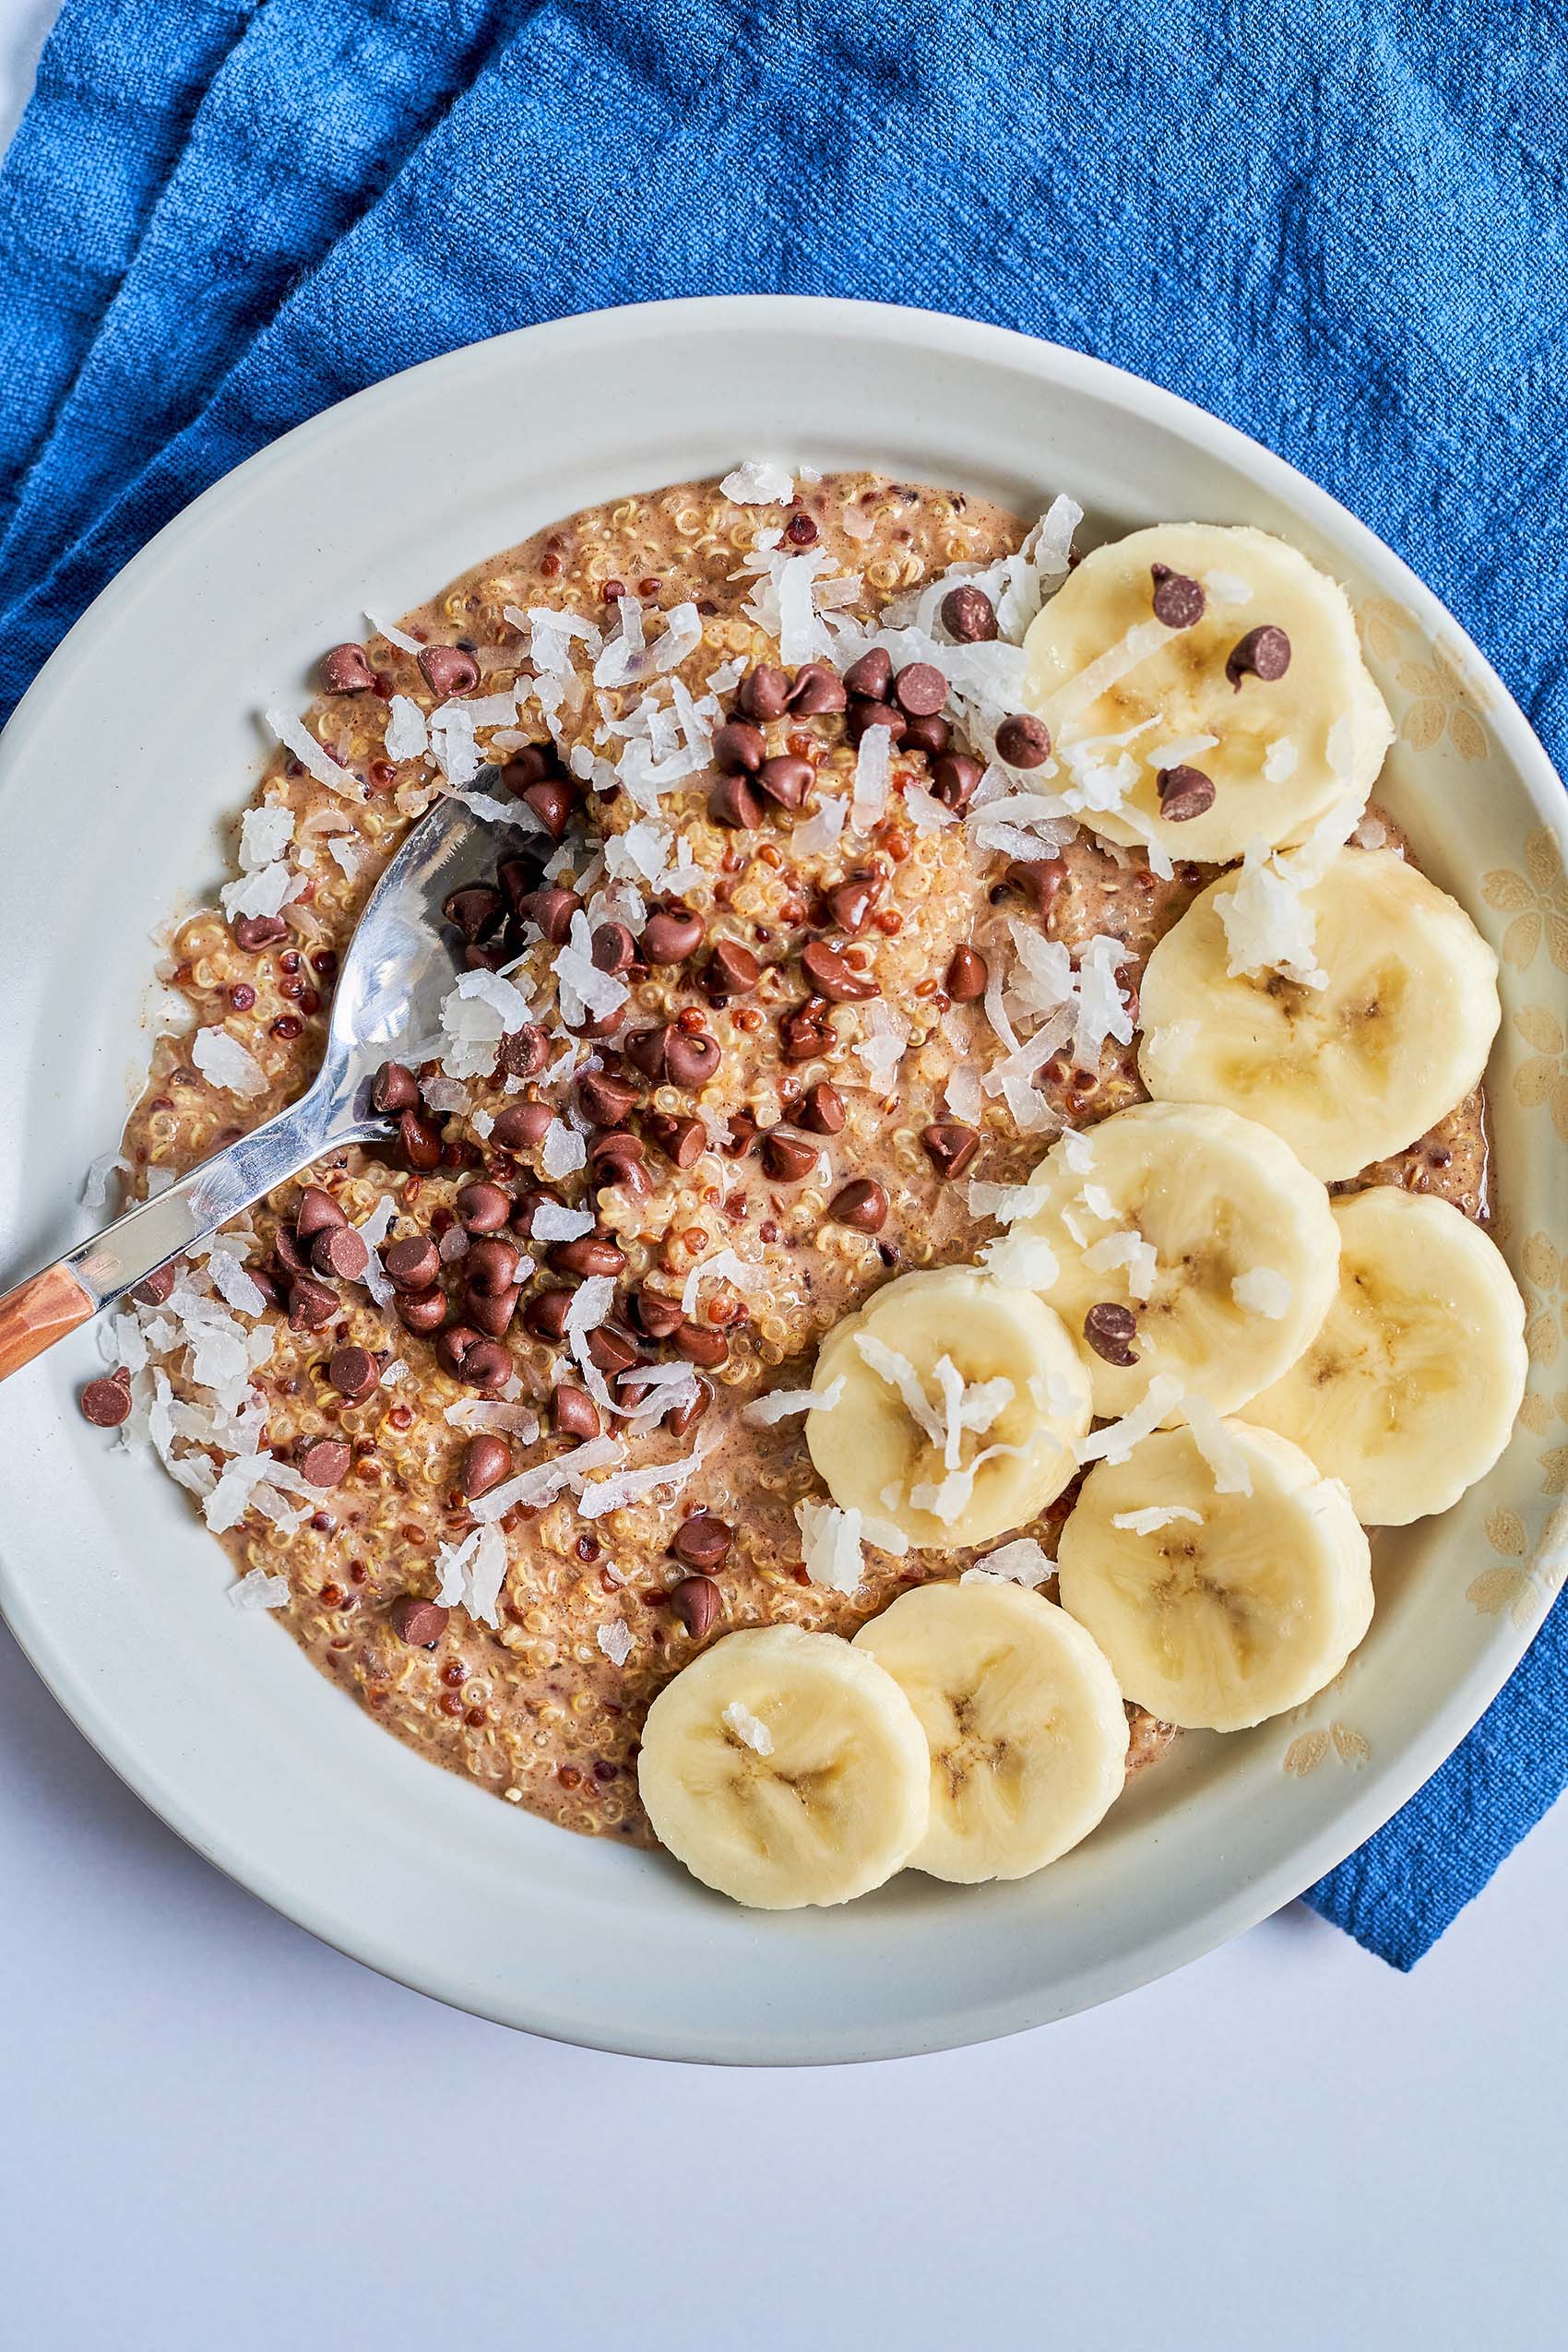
(615, 1641)
(258, 1590)
(1262, 1292)
(830, 1541)
(747, 1728)
(759, 482)
(783, 1404)
(1022, 1561)
(296, 737)
(1115, 1441)
(224, 1061)
(1158, 1516)
(1219, 1447)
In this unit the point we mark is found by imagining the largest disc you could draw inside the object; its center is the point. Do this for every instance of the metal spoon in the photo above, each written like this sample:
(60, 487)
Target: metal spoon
(388, 993)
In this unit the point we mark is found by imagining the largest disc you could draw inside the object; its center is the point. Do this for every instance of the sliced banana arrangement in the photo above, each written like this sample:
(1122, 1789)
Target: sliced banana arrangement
(1204, 688)
(1190, 1243)
(1349, 1072)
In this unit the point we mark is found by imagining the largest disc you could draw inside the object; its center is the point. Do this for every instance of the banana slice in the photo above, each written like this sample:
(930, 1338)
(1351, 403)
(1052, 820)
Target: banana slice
(1410, 1391)
(1131, 687)
(1025, 1723)
(1216, 1610)
(1348, 1073)
(784, 1768)
(958, 1405)
(1201, 1227)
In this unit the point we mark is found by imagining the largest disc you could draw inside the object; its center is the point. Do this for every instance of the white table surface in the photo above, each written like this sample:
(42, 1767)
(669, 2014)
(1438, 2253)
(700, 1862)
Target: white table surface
(216, 2132)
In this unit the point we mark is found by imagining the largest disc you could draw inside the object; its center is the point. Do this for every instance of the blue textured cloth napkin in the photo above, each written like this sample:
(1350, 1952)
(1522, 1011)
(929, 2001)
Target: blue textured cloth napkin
(1345, 229)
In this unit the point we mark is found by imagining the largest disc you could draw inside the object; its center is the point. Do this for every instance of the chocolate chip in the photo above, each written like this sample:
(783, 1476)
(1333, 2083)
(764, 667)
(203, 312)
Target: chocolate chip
(156, 1288)
(932, 736)
(1185, 792)
(531, 765)
(1023, 742)
(1177, 602)
(1263, 653)
(804, 1031)
(612, 1351)
(733, 969)
(816, 689)
(742, 1136)
(486, 1462)
(317, 1211)
(865, 716)
(573, 1413)
(483, 1207)
(617, 1158)
(1041, 879)
(346, 670)
(453, 1347)
(528, 1205)
(949, 1146)
(738, 748)
(487, 1364)
(850, 904)
(733, 801)
(521, 1125)
(686, 1415)
(612, 947)
(765, 692)
(475, 908)
(871, 676)
(353, 1372)
(831, 977)
(492, 1311)
(545, 1314)
(703, 1540)
(447, 670)
(552, 909)
(423, 1311)
(968, 615)
(603, 1099)
(393, 1088)
(700, 1346)
(682, 1140)
(920, 690)
(106, 1402)
(490, 1266)
(671, 934)
(696, 1600)
(966, 976)
(821, 1110)
(291, 1259)
(590, 1254)
(863, 1205)
(953, 780)
(419, 1142)
(421, 1623)
(325, 1463)
(311, 1305)
(413, 1265)
(524, 1052)
(690, 1061)
(646, 1050)
(786, 779)
(339, 1254)
(656, 1314)
(1110, 1330)
(552, 801)
(252, 932)
(787, 1160)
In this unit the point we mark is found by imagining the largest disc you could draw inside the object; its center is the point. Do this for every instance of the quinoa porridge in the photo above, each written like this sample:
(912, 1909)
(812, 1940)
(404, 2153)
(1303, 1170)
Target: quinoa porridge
(751, 1033)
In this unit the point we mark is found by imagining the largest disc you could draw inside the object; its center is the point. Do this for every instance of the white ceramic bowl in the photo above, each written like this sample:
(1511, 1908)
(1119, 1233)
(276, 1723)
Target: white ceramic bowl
(139, 738)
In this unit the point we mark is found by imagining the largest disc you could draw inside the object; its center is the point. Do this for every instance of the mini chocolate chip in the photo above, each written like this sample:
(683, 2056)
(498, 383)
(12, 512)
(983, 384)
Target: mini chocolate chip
(483, 1207)
(863, 1205)
(696, 1601)
(733, 801)
(787, 1160)
(786, 779)
(524, 1052)
(286, 1249)
(1041, 879)
(545, 1314)
(765, 692)
(920, 690)
(521, 1125)
(487, 1460)
(311, 1305)
(646, 1050)
(968, 615)
(447, 670)
(700, 1346)
(552, 801)
(346, 670)
(738, 748)
(573, 1413)
(475, 908)
(341, 1252)
(1185, 792)
(1177, 602)
(1111, 1330)
(419, 1142)
(671, 934)
(865, 716)
(851, 902)
(685, 1416)
(423, 1311)
(949, 1146)
(421, 1623)
(590, 1254)
(871, 676)
(682, 1140)
(452, 1347)
(351, 1371)
(492, 1311)
(831, 977)
(1263, 653)
(804, 1031)
(821, 1110)
(1023, 742)
(703, 1540)
(690, 1061)
(255, 932)
(393, 1088)
(733, 969)
(487, 1364)
(528, 766)
(617, 1158)
(603, 1098)
(656, 1315)
(490, 1266)
(528, 1205)
(552, 909)
(317, 1211)
(325, 1463)
(953, 780)
(612, 1351)
(106, 1402)
(156, 1288)
(966, 976)
(932, 736)
(612, 947)
(413, 1265)
(816, 689)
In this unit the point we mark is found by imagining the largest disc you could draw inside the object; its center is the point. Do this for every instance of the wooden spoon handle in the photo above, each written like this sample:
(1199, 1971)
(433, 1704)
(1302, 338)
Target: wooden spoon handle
(37, 1313)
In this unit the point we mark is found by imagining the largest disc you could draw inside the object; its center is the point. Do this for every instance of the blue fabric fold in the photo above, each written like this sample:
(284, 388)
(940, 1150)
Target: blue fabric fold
(1344, 231)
